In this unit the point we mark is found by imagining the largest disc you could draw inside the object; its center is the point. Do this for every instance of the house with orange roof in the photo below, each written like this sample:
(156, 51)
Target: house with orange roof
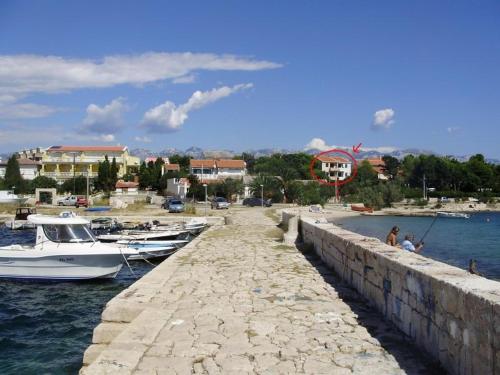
(336, 168)
(64, 162)
(378, 165)
(208, 170)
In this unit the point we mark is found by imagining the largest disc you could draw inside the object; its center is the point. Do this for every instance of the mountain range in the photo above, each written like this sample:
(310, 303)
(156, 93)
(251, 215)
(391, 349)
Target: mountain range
(199, 153)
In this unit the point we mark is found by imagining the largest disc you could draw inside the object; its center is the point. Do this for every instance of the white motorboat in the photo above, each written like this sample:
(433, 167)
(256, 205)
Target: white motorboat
(20, 220)
(134, 243)
(453, 215)
(8, 196)
(65, 249)
(142, 235)
(151, 252)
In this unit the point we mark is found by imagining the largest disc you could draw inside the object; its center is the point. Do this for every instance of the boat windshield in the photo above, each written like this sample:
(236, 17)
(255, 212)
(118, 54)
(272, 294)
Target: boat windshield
(69, 233)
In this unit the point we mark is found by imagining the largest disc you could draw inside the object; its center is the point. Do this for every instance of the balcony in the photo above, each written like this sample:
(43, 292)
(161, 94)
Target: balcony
(65, 175)
(79, 159)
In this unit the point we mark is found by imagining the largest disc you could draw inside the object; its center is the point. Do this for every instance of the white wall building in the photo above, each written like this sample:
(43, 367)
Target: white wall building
(29, 168)
(335, 167)
(215, 169)
(178, 187)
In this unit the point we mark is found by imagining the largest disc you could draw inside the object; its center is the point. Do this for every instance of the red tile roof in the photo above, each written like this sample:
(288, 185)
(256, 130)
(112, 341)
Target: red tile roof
(377, 163)
(332, 159)
(196, 163)
(172, 167)
(86, 148)
(219, 163)
(228, 163)
(120, 184)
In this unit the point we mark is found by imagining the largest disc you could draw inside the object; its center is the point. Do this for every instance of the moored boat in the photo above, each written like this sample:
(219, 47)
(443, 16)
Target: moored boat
(65, 249)
(453, 215)
(20, 220)
(361, 209)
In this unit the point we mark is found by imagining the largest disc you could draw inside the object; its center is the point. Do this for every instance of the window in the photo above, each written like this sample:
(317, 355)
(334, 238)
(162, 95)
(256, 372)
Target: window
(68, 233)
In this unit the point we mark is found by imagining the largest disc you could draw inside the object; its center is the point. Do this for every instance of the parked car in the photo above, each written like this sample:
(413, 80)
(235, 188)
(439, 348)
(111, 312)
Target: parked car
(73, 200)
(175, 205)
(166, 203)
(252, 202)
(219, 203)
(81, 202)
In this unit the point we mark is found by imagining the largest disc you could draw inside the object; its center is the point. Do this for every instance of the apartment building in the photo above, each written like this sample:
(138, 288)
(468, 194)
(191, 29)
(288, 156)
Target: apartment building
(216, 169)
(335, 167)
(63, 162)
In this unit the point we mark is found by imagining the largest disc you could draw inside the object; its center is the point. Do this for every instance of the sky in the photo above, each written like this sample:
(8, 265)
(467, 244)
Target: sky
(250, 75)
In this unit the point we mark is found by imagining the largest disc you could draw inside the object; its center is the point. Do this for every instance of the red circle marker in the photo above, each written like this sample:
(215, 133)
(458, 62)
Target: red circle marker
(354, 171)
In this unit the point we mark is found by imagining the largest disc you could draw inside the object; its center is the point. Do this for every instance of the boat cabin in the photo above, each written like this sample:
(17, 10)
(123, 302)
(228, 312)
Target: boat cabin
(22, 213)
(61, 229)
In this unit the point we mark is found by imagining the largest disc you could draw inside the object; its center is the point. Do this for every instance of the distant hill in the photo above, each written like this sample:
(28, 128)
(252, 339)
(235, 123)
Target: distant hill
(199, 153)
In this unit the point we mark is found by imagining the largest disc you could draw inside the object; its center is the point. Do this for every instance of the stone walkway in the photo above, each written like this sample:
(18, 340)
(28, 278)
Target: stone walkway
(237, 301)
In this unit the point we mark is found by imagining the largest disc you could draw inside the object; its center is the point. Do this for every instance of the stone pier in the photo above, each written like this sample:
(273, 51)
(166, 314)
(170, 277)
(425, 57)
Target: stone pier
(238, 301)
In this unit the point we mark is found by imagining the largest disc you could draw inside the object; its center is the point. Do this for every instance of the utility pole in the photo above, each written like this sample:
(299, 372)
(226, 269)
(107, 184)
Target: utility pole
(424, 188)
(262, 195)
(88, 186)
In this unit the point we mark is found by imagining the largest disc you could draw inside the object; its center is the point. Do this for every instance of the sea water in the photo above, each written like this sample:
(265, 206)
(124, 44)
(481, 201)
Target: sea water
(450, 240)
(46, 326)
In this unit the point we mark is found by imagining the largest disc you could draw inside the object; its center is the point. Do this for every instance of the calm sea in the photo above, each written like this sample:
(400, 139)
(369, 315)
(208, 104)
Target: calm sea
(46, 326)
(453, 241)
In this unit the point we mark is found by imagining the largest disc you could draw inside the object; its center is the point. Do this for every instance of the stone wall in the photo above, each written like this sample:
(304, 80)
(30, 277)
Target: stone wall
(451, 314)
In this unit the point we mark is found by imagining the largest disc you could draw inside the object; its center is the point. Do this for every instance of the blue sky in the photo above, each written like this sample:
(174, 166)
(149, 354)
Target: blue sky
(248, 75)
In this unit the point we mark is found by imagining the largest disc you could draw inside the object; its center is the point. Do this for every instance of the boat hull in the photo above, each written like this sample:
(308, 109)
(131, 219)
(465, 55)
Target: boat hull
(152, 252)
(60, 267)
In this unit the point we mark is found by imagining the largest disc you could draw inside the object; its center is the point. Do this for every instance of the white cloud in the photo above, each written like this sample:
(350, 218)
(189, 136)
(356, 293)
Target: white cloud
(190, 78)
(318, 144)
(453, 129)
(104, 138)
(108, 118)
(383, 119)
(21, 75)
(143, 139)
(321, 145)
(169, 117)
(24, 110)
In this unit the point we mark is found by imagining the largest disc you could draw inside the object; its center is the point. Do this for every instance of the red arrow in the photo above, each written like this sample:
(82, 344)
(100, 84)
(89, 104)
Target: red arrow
(355, 149)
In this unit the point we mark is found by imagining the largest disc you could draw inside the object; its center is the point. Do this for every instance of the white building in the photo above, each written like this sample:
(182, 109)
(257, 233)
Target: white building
(126, 188)
(335, 167)
(29, 168)
(178, 187)
(215, 169)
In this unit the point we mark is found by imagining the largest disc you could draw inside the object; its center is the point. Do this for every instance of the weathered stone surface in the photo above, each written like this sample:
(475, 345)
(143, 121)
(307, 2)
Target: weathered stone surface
(237, 301)
(446, 311)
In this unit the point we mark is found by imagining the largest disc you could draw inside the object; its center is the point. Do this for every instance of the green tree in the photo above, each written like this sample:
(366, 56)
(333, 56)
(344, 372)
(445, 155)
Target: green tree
(80, 183)
(391, 165)
(13, 179)
(42, 182)
(113, 175)
(271, 185)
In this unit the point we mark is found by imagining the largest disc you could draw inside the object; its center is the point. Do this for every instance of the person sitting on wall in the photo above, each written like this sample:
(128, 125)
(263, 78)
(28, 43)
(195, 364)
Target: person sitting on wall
(392, 237)
(408, 245)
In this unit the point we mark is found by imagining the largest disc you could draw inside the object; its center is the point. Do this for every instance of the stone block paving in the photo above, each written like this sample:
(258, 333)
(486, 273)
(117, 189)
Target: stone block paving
(240, 302)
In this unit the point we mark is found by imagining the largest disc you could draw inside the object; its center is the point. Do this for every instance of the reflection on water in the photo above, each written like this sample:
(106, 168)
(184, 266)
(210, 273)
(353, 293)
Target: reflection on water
(453, 241)
(46, 326)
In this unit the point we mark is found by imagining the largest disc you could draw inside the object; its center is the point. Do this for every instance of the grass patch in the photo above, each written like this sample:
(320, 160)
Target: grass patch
(275, 233)
(283, 247)
(271, 213)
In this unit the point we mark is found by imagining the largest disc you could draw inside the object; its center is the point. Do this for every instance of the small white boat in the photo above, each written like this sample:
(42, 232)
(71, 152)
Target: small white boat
(20, 220)
(453, 215)
(142, 235)
(8, 196)
(176, 243)
(151, 252)
(65, 249)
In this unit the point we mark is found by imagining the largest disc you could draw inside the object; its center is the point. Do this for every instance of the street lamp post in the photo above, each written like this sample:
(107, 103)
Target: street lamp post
(206, 198)
(74, 171)
(262, 195)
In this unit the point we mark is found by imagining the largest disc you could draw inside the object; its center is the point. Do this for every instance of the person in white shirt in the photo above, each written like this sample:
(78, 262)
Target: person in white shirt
(407, 244)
